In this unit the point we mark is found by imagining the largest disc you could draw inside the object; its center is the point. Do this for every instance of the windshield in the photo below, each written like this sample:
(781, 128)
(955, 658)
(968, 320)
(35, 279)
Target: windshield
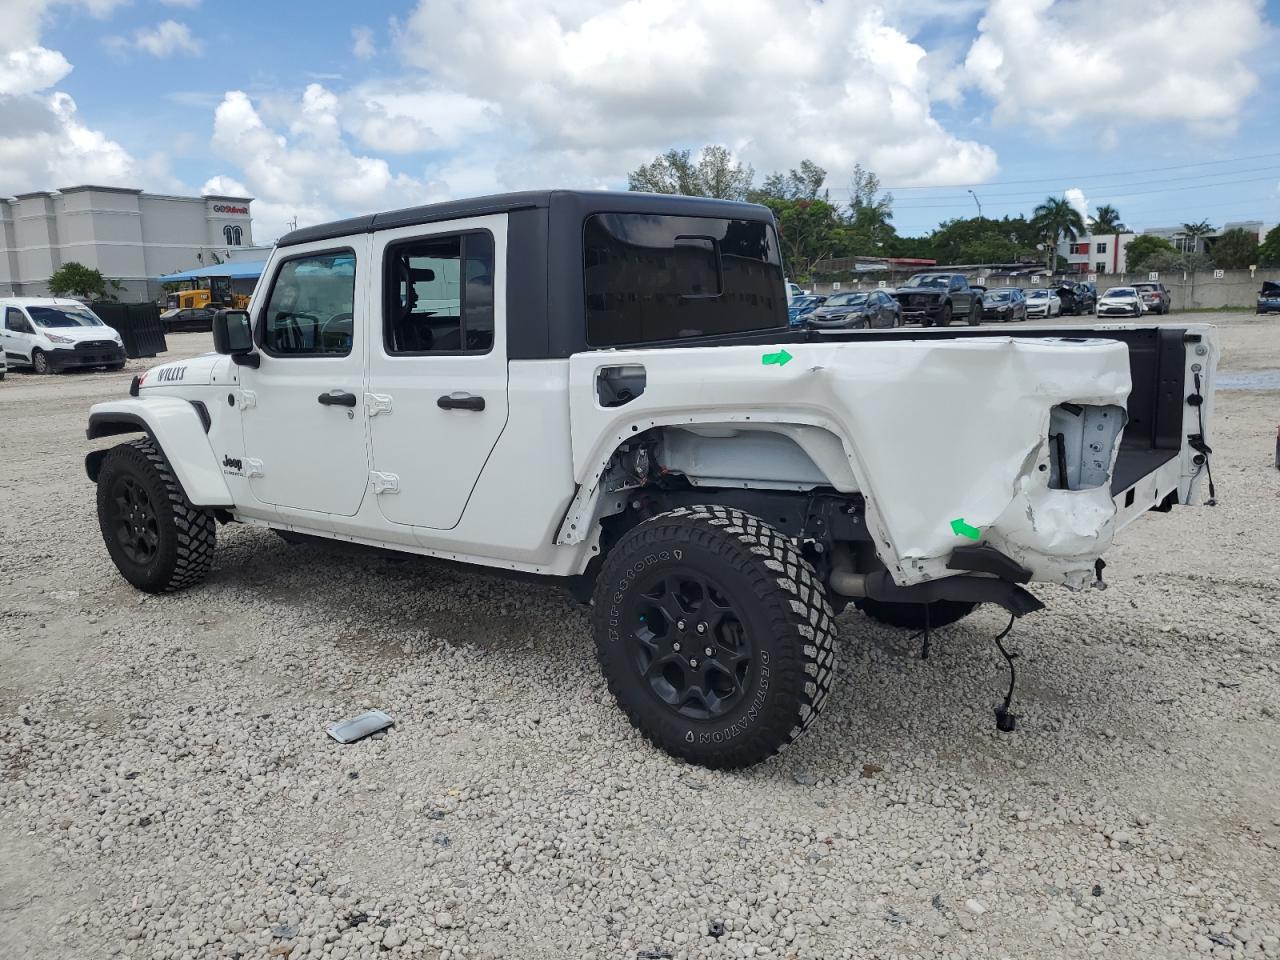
(1000, 295)
(1121, 292)
(930, 280)
(1037, 294)
(804, 301)
(63, 317)
(845, 299)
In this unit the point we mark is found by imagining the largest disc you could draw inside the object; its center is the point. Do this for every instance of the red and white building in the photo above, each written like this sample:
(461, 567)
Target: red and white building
(1101, 253)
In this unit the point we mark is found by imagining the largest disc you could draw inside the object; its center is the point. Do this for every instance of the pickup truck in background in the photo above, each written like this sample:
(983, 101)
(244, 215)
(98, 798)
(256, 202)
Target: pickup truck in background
(935, 299)
(603, 391)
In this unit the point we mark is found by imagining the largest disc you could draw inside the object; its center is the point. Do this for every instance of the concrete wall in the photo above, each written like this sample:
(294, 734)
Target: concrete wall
(1201, 289)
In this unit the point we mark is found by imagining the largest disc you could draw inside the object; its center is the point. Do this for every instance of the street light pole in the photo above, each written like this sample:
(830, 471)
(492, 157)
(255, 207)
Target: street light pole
(978, 202)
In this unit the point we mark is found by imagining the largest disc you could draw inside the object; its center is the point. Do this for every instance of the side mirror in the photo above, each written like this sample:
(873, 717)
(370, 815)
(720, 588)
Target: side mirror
(232, 333)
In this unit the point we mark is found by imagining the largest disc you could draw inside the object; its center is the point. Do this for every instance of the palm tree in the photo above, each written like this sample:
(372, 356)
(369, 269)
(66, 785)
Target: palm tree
(1108, 220)
(1193, 232)
(1054, 220)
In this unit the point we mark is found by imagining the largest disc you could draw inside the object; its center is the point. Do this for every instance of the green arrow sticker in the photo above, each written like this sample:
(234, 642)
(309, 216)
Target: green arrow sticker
(780, 358)
(962, 529)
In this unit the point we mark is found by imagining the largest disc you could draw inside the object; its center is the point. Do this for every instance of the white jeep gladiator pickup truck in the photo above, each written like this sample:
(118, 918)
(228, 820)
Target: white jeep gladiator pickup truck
(603, 388)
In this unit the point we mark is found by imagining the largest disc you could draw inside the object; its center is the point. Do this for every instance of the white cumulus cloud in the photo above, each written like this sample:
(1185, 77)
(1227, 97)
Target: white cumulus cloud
(166, 39)
(44, 143)
(362, 45)
(307, 170)
(1075, 196)
(1058, 62)
(31, 69)
(593, 87)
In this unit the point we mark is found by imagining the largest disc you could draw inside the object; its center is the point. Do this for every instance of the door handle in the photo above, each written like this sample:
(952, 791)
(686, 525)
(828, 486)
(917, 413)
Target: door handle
(337, 398)
(464, 402)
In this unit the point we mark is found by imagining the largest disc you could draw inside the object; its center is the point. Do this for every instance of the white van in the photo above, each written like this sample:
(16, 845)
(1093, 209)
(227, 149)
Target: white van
(51, 334)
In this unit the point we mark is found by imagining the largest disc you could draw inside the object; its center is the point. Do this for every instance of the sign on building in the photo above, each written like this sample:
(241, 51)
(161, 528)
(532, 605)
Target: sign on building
(836, 285)
(883, 284)
(1153, 275)
(1036, 280)
(982, 281)
(1093, 278)
(1219, 274)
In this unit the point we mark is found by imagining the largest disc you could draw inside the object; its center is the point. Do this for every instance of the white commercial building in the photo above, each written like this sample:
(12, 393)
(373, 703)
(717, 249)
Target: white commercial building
(129, 236)
(1177, 235)
(1103, 253)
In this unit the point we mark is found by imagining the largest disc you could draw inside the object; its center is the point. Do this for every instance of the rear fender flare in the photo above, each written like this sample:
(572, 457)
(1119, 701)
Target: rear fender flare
(176, 427)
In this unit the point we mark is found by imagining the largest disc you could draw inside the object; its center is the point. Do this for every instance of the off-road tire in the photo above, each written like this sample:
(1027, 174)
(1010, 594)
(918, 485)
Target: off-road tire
(944, 318)
(185, 534)
(942, 613)
(39, 362)
(776, 600)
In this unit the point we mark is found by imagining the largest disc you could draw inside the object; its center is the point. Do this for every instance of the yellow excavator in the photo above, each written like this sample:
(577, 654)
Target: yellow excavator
(212, 292)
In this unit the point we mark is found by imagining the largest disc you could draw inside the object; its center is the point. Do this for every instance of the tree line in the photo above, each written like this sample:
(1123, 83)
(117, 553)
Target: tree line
(813, 229)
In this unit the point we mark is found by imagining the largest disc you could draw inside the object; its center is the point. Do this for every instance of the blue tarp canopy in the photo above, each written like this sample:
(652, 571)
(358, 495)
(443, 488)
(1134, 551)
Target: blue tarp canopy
(238, 270)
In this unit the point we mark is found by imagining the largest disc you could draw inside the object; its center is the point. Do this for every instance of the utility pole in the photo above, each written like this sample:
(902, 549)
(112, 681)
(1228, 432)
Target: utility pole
(978, 202)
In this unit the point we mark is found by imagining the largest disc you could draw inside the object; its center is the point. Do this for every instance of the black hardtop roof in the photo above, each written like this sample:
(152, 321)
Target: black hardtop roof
(584, 202)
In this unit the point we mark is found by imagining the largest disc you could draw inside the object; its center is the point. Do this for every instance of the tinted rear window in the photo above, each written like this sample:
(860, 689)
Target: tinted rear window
(653, 278)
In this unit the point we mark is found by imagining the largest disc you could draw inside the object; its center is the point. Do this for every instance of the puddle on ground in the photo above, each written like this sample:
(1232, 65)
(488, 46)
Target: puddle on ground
(1247, 380)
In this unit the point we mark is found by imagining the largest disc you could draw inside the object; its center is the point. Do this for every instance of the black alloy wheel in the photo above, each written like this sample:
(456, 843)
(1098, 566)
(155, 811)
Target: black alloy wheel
(688, 643)
(132, 519)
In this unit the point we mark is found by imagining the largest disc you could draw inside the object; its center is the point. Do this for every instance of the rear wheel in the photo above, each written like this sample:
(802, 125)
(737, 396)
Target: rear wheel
(714, 634)
(39, 362)
(158, 540)
(942, 613)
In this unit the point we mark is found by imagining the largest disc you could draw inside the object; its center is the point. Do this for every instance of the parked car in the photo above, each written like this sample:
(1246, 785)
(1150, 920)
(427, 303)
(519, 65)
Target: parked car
(801, 306)
(1004, 304)
(51, 334)
(1077, 299)
(936, 298)
(795, 290)
(1120, 302)
(714, 483)
(1043, 303)
(858, 310)
(187, 318)
(1269, 297)
(1155, 297)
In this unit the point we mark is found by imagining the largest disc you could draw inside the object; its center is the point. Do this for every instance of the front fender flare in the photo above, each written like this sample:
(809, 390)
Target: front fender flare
(177, 429)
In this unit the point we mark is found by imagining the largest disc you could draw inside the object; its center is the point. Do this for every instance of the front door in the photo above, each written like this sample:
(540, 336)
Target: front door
(303, 416)
(18, 335)
(437, 366)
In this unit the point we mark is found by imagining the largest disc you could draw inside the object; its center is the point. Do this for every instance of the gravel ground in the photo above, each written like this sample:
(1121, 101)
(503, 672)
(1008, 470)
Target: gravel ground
(168, 789)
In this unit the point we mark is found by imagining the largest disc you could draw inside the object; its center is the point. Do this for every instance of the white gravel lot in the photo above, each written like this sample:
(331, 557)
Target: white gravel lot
(167, 789)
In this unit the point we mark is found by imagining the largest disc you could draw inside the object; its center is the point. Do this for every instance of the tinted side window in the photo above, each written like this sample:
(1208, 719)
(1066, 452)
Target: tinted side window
(654, 278)
(440, 295)
(309, 311)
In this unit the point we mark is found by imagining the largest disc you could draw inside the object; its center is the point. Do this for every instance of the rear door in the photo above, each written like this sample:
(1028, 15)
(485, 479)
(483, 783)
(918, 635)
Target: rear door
(437, 399)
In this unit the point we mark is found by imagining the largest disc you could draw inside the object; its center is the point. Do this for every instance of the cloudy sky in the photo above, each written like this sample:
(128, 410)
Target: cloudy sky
(1169, 109)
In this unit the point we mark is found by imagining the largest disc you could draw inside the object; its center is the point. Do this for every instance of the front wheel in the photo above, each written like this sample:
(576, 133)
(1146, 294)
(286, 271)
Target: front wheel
(39, 362)
(944, 318)
(714, 634)
(158, 540)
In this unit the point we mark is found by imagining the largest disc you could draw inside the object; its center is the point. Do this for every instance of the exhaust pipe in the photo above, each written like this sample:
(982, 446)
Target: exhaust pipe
(843, 580)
